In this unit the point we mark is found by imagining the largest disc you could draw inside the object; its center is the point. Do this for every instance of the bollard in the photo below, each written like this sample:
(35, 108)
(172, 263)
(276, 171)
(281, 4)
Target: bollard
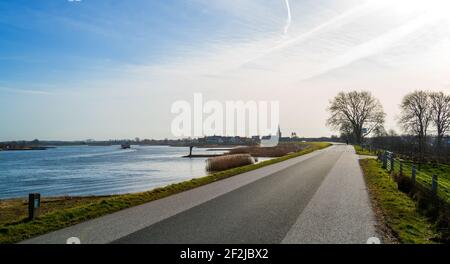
(34, 205)
(434, 184)
(413, 175)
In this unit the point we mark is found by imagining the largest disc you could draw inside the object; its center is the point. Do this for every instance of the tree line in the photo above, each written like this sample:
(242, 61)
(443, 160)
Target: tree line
(424, 119)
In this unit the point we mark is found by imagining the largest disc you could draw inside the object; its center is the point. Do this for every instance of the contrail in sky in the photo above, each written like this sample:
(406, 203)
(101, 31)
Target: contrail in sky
(289, 18)
(327, 24)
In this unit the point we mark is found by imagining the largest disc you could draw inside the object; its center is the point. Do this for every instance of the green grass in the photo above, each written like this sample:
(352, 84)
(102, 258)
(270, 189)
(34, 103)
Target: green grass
(64, 212)
(360, 151)
(398, 209)
(425, 172)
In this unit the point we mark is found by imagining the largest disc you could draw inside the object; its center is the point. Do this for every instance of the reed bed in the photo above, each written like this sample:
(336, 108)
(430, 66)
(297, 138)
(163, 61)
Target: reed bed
(271, 152)
(228, 162)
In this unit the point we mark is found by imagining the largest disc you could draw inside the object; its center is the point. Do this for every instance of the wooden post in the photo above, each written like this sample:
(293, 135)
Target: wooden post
(34, 205)
(385, 160)
(434, 184)
(413, 175)
(190, 150)
(401, 168)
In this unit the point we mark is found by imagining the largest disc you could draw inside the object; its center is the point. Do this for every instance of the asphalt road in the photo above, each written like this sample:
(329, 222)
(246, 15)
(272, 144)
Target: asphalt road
(266, 210)
(317, 198)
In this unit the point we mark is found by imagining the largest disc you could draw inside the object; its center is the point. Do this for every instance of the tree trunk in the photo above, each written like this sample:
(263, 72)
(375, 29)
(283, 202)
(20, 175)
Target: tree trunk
(358, 136)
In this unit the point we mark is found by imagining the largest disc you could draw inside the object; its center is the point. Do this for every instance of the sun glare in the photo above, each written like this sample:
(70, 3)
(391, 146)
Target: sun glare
(437, 8)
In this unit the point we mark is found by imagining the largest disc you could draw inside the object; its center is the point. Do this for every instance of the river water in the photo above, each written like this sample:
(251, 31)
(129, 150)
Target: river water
(89, 170)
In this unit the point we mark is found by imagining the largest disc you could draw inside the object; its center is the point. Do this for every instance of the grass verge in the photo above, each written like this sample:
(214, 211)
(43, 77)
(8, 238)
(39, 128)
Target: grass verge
(63, 212)
(361, 151)
(398, 211)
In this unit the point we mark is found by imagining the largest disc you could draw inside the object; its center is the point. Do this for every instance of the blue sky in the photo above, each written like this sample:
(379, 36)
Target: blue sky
(54, 40)
(111, 69)
(53, 47)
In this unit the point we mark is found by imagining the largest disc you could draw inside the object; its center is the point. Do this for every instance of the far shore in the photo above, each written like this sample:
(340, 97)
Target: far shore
(24, 148)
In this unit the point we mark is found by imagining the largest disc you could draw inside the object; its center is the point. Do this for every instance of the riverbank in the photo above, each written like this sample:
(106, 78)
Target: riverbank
(66, 211)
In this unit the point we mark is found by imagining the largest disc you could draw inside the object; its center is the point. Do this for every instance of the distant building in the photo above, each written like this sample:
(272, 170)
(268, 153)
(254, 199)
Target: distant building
(222, 140)
(214, 140)
(256, 139)
(286, 139)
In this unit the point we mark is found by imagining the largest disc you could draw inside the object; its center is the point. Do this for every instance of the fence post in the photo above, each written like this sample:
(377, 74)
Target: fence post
(392, 162)
(413, 175)
(434, 184)
(385, 160)
(401, 168)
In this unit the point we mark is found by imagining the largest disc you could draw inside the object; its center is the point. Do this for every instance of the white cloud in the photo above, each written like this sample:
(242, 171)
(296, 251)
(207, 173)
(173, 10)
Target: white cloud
(25, 91)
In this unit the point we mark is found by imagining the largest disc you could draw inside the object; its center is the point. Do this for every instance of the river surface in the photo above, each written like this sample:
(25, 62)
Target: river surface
(89, 170)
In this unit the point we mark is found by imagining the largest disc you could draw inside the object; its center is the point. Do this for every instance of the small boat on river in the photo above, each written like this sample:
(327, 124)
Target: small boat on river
(125, 145)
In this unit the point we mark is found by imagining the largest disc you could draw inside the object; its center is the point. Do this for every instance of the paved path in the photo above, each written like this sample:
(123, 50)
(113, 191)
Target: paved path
(316, 198)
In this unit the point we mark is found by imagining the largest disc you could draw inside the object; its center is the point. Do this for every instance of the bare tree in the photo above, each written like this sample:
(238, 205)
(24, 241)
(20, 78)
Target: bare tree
(346, 131)
(416, 116)
(360, 111)
(440, 105)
